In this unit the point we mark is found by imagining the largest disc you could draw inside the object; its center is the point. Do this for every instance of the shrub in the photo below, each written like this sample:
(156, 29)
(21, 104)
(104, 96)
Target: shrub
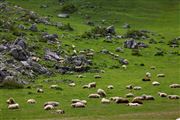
(136, 34)
(68, 8)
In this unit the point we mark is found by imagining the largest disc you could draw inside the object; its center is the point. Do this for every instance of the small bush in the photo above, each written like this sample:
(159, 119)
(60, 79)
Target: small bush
(68, 8)
(136, 34)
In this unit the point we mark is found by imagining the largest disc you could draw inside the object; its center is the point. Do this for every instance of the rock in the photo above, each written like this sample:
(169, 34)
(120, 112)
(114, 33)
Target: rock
(20, 42)
(119, 49)
(38, 68)
(130, 44)
(51, 55)
(33, 27)
(19, 53)
(2, 48)
(63, 15)
(126, 26)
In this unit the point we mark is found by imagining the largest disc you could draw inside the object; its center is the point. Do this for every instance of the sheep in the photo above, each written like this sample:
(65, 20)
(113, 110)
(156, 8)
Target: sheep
(60, 111)
(114, 98)
(110, 87)
(72, 84)
(160, 75)
(54, 86)
(136, 101)
(174, 86)
(97, 76)
(138, 98)
(134, 104)
(105, 101)
(10, 101)
(124, 67)
(53, 103)
(146, 79)
(78, 105)
(39, 90)
(121, 100)
(148, 74)
(48, 107)
(173, 97)
(148, 97)
(13, 106)
(161, 94)
(92, 85)
(80, 76)
(90, 54)
(101, 92)
(129, 95)
(155, 83)
(94, 95)
(129, 87)
(85, 86)
(78, 100)
(31, 101)
(153, 67)
(137, 88)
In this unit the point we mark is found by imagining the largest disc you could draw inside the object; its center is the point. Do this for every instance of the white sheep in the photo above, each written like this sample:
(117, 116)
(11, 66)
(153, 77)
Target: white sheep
(161, 94)
(53, 103)
(110, 87)
(13, 106)
(85, 86)
(92, 85)
(148, 74)
(174, 86)
(161, 75)
(138, 98)
(39, 90)
(155, 83)
(137, 88)
(105, 101)
(94, 95)
(78, 105)
(59, 111)
(101, 92)
(114, 98)
(124, 67)
(130, 95)
(48, 107)
(97, 76)
(129, 87)
(134, 104)
(72, 84)
(173, 97)
(54, 86)
(10, 101)
(31, 101)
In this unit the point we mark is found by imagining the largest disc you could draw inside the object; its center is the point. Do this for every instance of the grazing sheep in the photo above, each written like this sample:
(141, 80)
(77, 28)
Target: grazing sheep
(53, 103)
(130, 95)
(94, 96)
(114, 98)
(60, 111)
(36, 59)
(92, 85)
(139, 98)
(153, 67)
(174, 86)
(80, 76)
(110, 87)
(31, 101)
(54, 86)
(134, 104)
(146, 79)
(161, 94)
(121, 100)
(72, 84)
(48, 107)
(13, 106)
(105, 101)
(10, 101)
(155, 83)
(148, 97)
(137, 88)
(85, 86)
(75, 100)
(137, 101)
(101, 92)
(129, 87)
(124, 67)
(78, 105)
(160, 75)
(97, 76)
(39, 90)
(173, 97)
(148, 74)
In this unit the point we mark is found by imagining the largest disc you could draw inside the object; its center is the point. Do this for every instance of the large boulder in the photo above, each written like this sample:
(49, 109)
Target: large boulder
(19, 53)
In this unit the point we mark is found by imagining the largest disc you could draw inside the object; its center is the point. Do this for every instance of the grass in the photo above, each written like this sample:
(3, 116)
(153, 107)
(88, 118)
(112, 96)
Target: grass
(160, 16)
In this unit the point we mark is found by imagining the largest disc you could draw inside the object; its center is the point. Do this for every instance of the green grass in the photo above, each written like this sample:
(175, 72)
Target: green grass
(160, 16)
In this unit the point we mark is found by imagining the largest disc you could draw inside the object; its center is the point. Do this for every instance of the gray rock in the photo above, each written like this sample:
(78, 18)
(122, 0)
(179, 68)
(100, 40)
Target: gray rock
(20, 42)
(110, 29)
(33, 27)
(51, 55)
(130, 44)
(126, 26)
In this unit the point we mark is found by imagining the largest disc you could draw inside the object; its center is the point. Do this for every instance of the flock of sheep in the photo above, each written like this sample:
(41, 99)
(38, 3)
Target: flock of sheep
(101, 94)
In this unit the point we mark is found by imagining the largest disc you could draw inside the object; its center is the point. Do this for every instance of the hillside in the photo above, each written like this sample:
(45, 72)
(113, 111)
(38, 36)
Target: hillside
(60, 42)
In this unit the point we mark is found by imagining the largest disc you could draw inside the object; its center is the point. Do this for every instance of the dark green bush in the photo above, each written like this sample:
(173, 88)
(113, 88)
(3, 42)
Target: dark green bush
(68, 8)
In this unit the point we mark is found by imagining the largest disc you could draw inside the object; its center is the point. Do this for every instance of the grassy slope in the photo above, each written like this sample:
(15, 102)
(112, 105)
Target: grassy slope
(161, 16)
